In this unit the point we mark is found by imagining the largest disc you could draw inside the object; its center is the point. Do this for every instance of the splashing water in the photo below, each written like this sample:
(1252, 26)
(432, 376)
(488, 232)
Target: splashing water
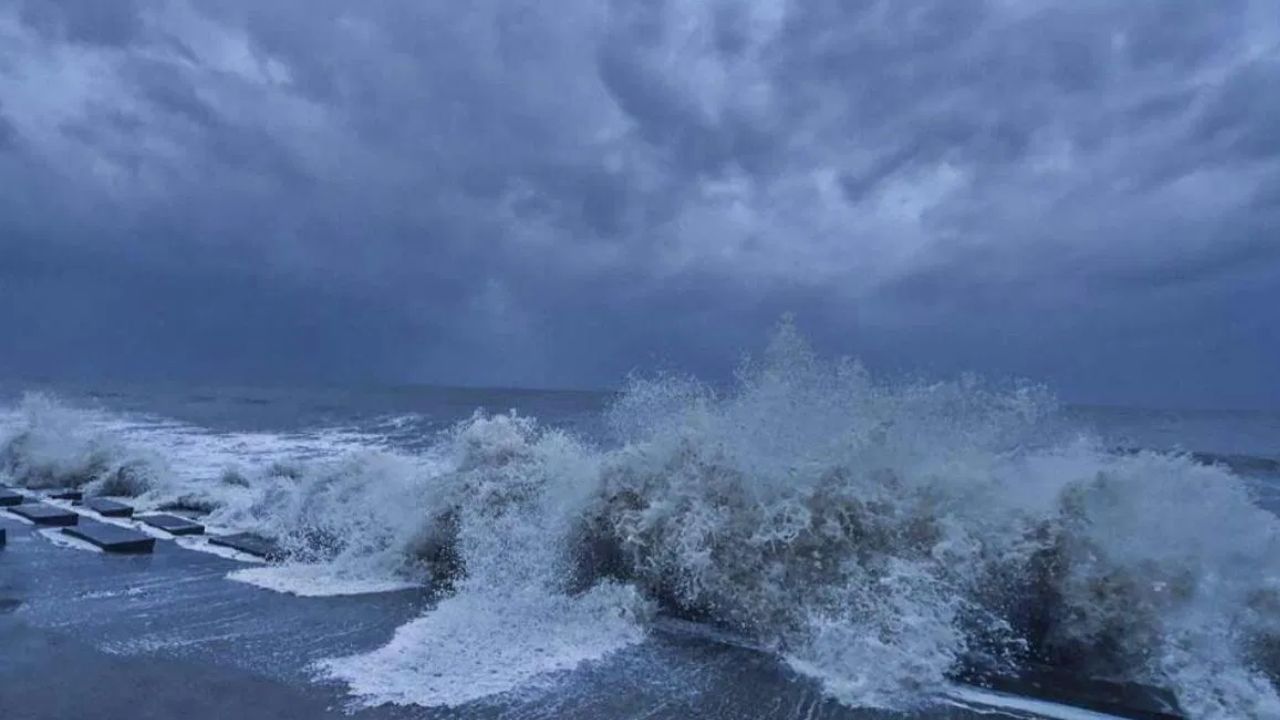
(879, 536)
(46, 445)
(507, 505)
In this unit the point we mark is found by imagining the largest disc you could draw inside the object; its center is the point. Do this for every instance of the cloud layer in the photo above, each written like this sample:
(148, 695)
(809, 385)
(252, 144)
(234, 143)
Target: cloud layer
(508, 192)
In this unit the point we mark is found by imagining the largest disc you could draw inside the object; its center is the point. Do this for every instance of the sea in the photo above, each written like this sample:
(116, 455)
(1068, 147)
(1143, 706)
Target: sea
(873, 538)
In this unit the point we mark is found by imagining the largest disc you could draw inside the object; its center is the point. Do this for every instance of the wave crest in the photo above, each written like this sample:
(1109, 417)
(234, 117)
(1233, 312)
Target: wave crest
(48, 445)
(882, 536)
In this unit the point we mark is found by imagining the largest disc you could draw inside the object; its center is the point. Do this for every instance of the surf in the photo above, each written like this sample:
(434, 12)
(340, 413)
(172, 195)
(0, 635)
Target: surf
(882, 536)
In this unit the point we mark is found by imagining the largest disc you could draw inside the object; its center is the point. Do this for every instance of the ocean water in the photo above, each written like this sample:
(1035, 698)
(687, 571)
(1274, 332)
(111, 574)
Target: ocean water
(878, 536)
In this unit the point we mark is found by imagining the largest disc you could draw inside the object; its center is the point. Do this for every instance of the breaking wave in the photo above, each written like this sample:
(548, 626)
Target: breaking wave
(880, 536)
(46, 445)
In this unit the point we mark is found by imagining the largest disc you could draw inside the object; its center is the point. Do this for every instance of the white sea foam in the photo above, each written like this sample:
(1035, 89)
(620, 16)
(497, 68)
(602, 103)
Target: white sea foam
(512, 495)
(987, 702)
(877, 535)
(45, 444)
(319, 580)
(476, 645)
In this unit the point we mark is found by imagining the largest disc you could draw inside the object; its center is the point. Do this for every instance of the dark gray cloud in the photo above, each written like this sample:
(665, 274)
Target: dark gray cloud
(83, 21)
(555, 194)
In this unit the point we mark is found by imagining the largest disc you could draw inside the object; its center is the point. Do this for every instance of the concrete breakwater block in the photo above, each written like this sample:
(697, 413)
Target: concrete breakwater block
(111, 538)
(1124, 700)
(9, 498)
(46, 515)
(173, 524)
(251, 544)
(66, 495)
(108, 508)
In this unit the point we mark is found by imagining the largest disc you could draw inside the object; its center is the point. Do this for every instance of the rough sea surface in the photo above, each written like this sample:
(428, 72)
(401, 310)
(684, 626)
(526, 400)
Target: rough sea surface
(878, 537)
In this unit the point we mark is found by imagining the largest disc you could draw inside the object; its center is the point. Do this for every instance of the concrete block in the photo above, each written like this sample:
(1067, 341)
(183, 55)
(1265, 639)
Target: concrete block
(9, 498)
(251, 544)
(46, 515)
(173, 524)
(108, 508)
(66, 495)
(112, 538)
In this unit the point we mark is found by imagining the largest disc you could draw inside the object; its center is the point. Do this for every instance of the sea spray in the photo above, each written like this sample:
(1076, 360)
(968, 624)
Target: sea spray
(46, 445)
(510, 501)
(847, 523)
(347, 525)
(880, 536)
(883, 535)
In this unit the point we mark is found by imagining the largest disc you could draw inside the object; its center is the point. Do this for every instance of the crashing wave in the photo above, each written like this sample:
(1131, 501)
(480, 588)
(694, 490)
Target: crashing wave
(47, 445)
(880, 536)
(883, 535)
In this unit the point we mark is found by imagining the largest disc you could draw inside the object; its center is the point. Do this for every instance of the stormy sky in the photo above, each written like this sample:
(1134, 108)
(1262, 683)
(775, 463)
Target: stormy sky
(508, 192)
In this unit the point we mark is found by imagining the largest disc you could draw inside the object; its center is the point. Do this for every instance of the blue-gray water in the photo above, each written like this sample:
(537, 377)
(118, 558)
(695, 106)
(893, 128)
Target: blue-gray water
(419, 411)
(853, 529)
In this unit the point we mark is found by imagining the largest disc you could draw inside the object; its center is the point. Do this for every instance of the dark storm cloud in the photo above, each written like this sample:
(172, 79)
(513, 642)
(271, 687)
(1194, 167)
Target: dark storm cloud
(7, 133)
(85, 21)
(522, 193)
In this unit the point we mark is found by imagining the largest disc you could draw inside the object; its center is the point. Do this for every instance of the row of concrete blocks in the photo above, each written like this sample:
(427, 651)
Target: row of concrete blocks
(116, 539)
